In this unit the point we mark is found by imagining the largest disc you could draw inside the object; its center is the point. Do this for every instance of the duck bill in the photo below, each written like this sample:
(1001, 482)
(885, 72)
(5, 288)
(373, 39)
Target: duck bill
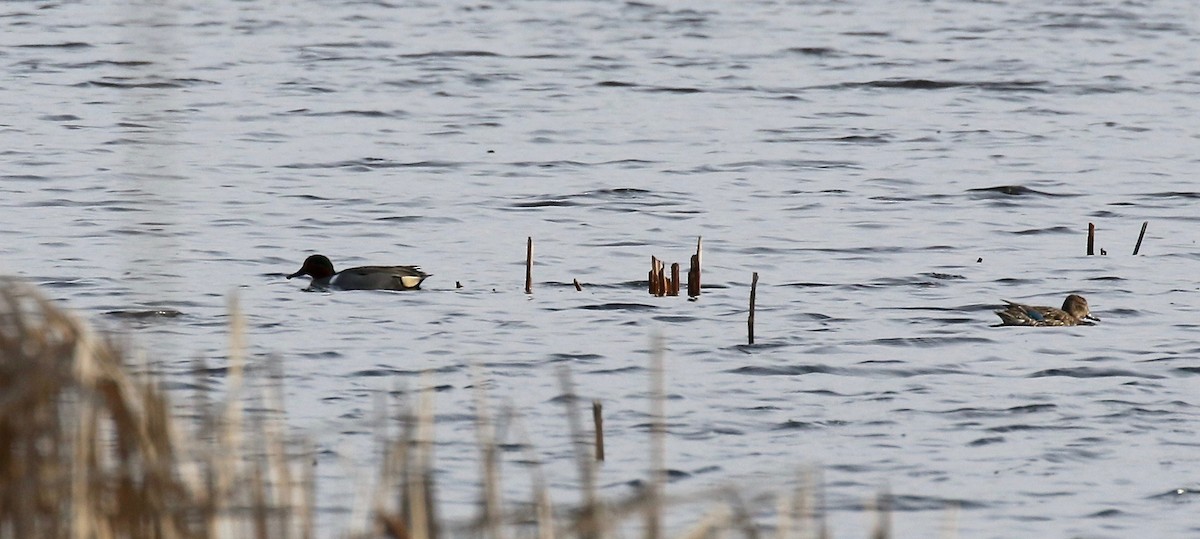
(1092, 318)
(297, 274)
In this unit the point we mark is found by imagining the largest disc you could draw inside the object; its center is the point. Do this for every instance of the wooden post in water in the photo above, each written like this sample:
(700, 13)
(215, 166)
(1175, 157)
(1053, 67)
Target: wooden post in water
(529, 266)
(674, 290)
(750, 321)
(1138, 247)
(1091, 239)
(578, 287)
(656, 286)
(694, 272)
(662, 278)
(598, 421)
(651, 277)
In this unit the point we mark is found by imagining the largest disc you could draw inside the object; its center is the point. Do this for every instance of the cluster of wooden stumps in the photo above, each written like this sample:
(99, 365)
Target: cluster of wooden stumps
(662, 285)
(1091, 240)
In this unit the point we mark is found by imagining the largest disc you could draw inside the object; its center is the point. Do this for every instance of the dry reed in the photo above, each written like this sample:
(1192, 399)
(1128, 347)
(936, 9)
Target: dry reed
(89, 450)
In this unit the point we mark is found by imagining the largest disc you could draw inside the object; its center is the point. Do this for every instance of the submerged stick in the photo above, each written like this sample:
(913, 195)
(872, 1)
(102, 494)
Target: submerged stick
(1138, 247)
(750, 321)
(578, 287)
(598, 421)
(1091, 239)
(529, 266)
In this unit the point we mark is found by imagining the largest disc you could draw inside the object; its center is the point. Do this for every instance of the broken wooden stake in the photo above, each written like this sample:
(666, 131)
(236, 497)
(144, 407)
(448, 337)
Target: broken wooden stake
(1091, 239)
(750, 321)
(529, 266)
(1138, 247)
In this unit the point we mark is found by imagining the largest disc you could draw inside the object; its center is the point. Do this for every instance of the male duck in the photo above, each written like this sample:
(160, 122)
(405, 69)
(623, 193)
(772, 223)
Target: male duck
(361, 278)
(1074, 312)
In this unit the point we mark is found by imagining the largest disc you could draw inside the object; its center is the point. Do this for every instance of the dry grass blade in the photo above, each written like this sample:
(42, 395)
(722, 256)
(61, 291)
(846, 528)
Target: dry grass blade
(88, 450)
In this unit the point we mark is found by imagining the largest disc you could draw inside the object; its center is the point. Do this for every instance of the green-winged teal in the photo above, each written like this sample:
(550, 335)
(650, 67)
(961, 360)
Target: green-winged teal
(361, 278)
(1074, 312)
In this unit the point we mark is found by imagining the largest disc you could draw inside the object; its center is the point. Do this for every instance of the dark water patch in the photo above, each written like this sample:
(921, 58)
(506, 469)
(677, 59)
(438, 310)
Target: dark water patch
(216, 372)
(793, 424)
(1014, 281)
(308, 87)
(350, 113)
(616, 84)
(323, 354)
(670, 89)
(562, 163)
(787, 370)
(305, 197)
(1107, 513)
(777, 164)
(929, 84)
(1050, 230)
(103, 63)
(986, 441)
(558, 203)
(373, 163)
(382, 371)
(1187, 370)
(60, 45)
(1189, 195)
(621, 370)
(452, 54)
(943, 276)
(146, 314)
(1021, 427)
(823, 52)
(59, 118)
(676, 319)
(405, 219)
(762, 344)
(69, 283)
(869, 369)
(124, 83)
(844, 139)
(918, 281)
(573, 358)
(619, 193)
(1001, 191)
(672, 475)
(911, 502)
(351, 45)
(804, 284)
(1092, 372)
(974, 412)
(627, 307)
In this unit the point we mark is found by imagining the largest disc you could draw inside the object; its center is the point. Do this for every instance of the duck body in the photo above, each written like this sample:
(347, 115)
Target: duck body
(323, 276)
(1074, 312)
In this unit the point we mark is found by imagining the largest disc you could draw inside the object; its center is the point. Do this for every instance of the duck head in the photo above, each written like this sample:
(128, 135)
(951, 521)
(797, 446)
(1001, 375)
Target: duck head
(315, 266)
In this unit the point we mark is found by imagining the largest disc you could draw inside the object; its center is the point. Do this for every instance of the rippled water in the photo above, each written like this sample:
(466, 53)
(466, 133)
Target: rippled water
(891, 172)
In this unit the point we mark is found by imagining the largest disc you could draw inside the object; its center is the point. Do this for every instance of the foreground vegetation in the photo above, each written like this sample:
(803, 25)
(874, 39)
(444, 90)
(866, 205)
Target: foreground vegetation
(91, 446)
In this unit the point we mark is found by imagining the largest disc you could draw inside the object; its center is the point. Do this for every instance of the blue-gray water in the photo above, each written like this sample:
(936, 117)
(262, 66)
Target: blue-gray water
(891, 170)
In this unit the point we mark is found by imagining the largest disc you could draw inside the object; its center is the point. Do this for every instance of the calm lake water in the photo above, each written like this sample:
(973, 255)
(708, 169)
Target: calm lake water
(891, 171)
